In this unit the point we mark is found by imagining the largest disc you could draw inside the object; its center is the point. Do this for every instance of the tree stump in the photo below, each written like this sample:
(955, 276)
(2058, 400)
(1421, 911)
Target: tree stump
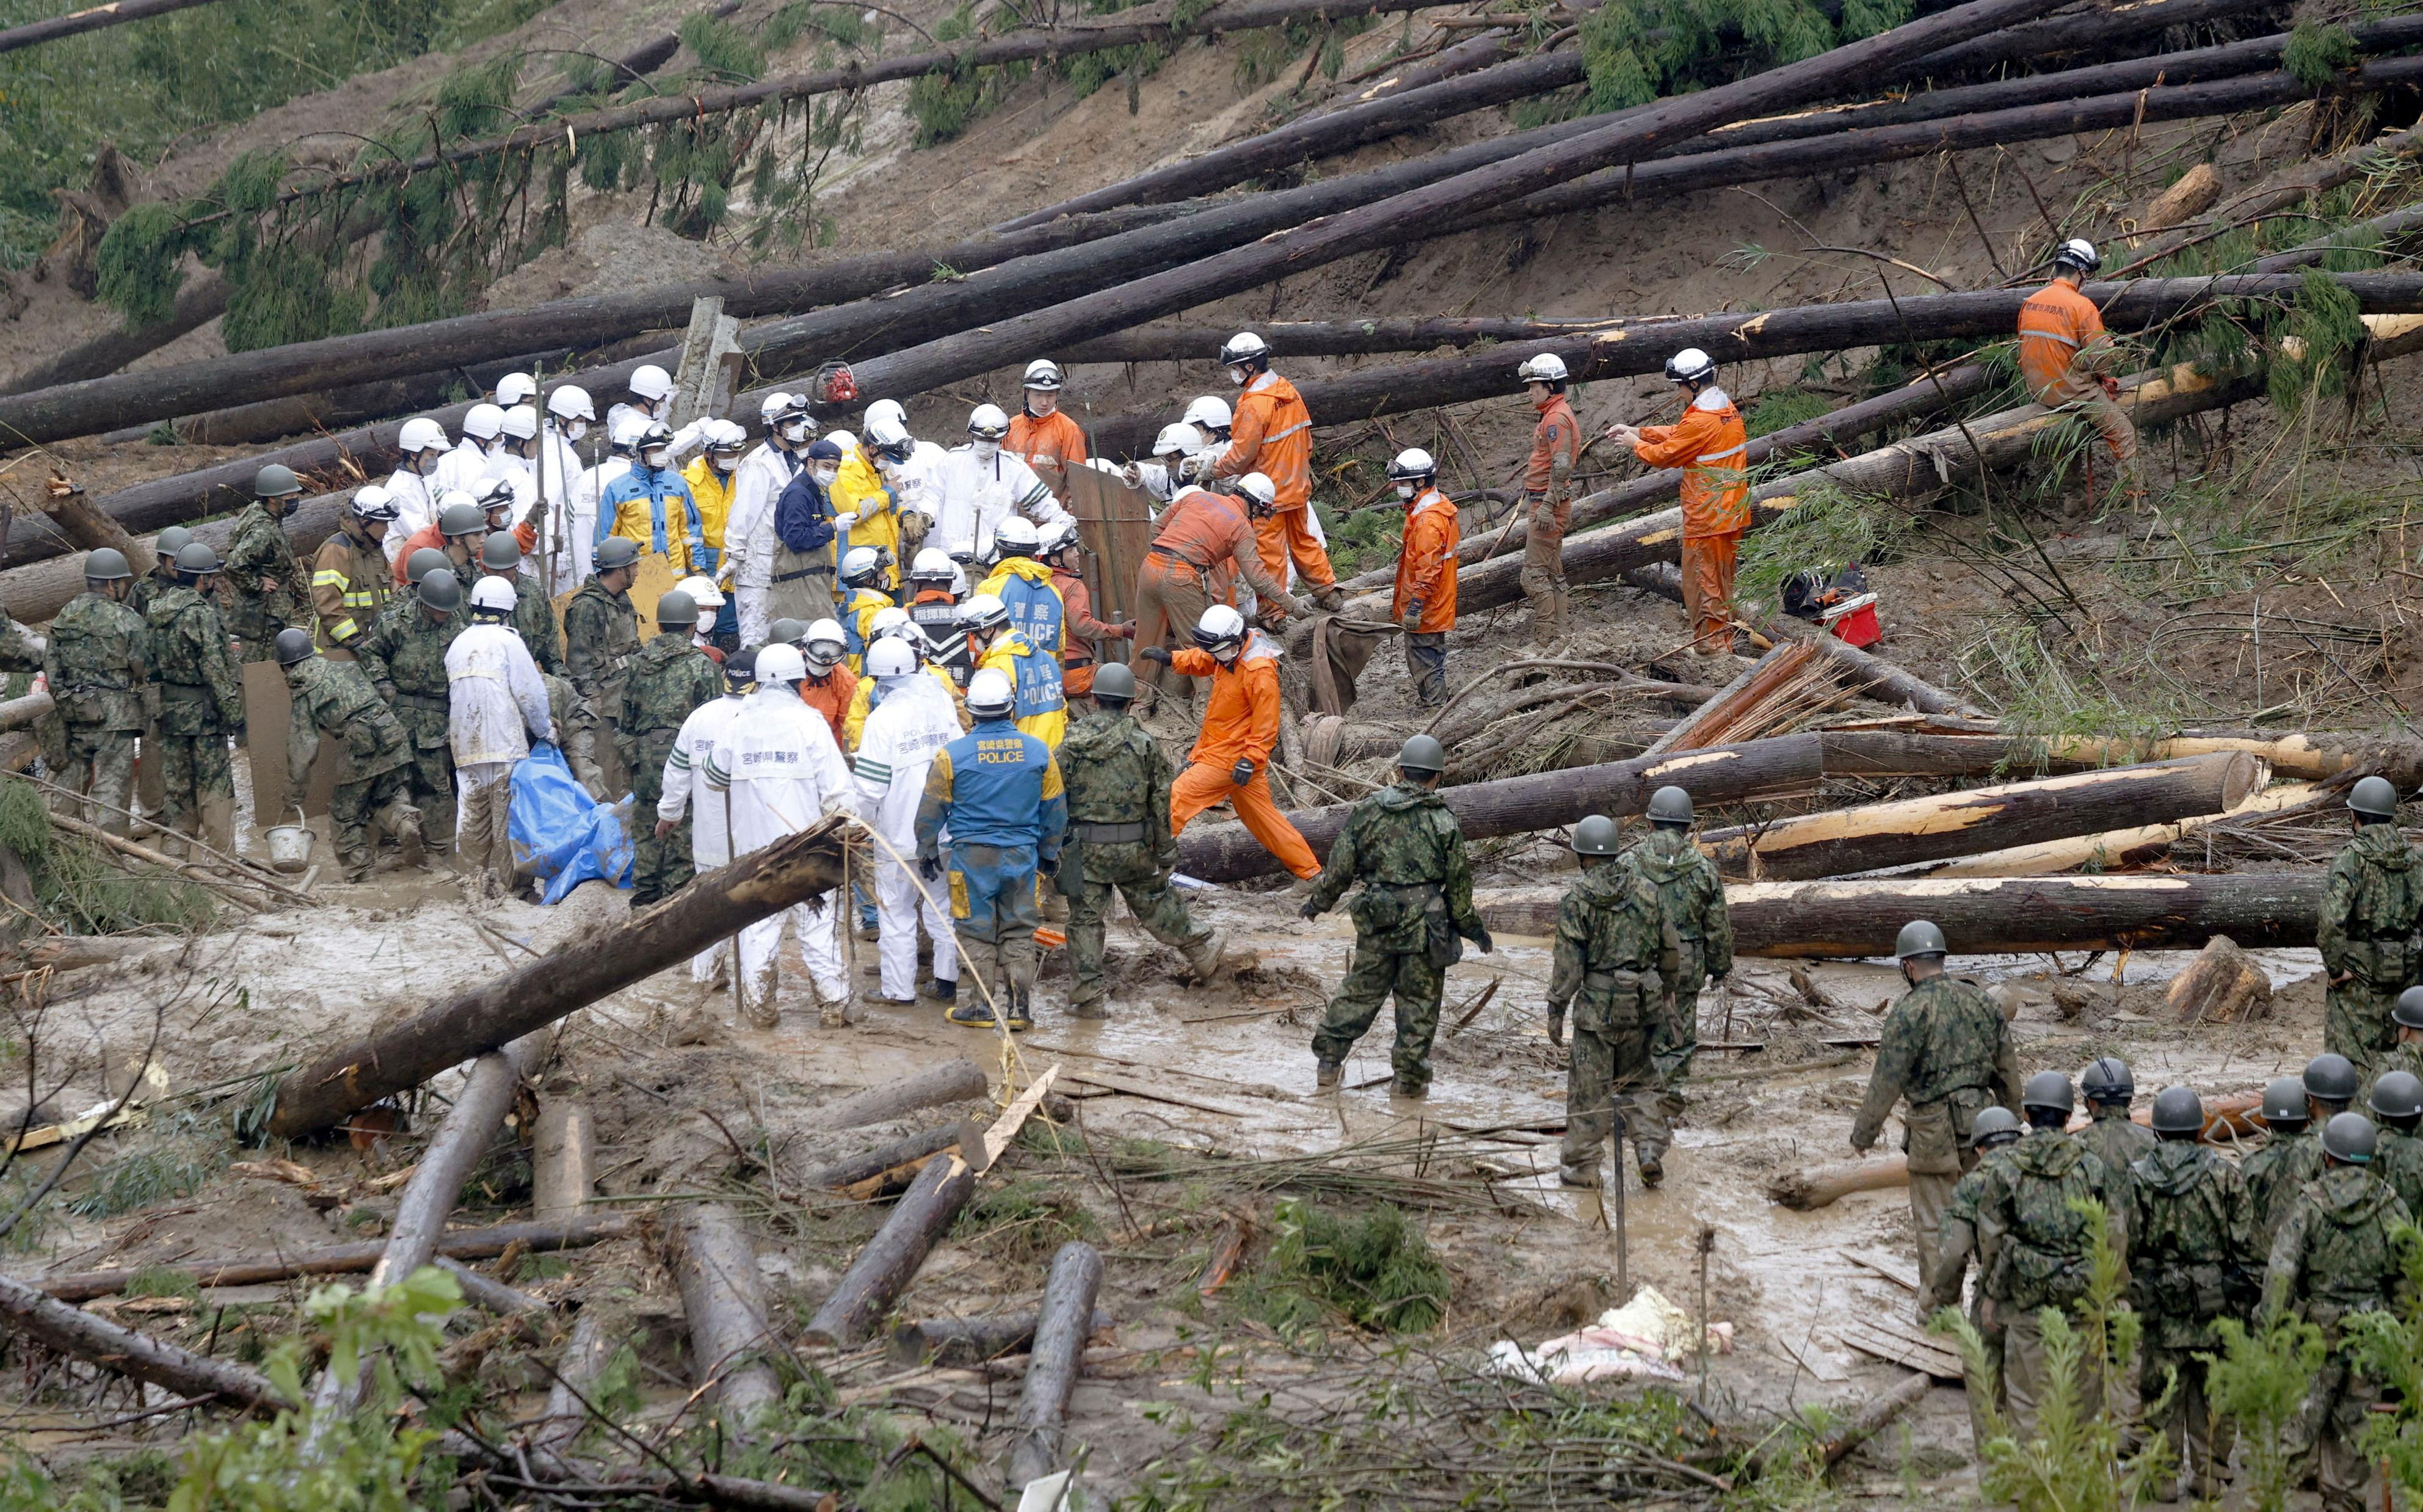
(2223, 985)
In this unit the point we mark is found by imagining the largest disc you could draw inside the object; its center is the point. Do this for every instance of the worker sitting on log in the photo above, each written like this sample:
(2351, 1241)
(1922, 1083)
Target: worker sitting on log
(1615, 946)
(1693, 897)
(1947, 1049)
(1707, 443)
(1241, 725)
(2066, 357)
(2369, 927)
(1272, 434)
(1424, 602)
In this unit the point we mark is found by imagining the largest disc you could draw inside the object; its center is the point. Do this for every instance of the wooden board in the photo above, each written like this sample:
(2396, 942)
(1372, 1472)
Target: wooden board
(1889, 1336)
(1893, 1268)
(1115, 521)
(1814, 1361)
(266, 705)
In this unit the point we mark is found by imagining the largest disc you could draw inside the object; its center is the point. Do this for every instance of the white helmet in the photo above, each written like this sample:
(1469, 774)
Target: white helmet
(1245, 347)
(1546, 368)
(890, 658)
(1412, 465)
(372, 503)
(888, 623)
(516, 389)
(991, 694)
(1064, 536)
(1259, 488)
(843, 440)
(781, 663)
(521, 422)
(420, 434)
(985, 611)
(629, 430)
(887, 409)
(651, 382)
(1042, 373)
(493, 594)
(483, 422)
(1176, 439)
(1690, 365)
(571, 402)
(2077, 252)
(459, 498)
(1015, 536)
(1210, 412)
(722, 436)
(1220, 625)
(861, 565)
(933, 564)
(888, 435)
(703, 592)
(825, 645)
(986, 422)
(774, 404)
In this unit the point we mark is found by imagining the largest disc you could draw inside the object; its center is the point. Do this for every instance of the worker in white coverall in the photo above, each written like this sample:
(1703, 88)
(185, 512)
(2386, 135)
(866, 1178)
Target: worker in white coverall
(483, 429)
(757, 484)
(910, 717)
(909, 469)
(980, 484)
(495, 707)
(563, 540)
(702, 735)
(782, 769)
(420, 445)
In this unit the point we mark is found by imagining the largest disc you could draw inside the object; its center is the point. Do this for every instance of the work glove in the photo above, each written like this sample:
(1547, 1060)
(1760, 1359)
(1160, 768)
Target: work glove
(1557, 1026)
(1481, 940)
(1310, 910)
(2111, 385)
(845, 519)
(1048, 865)
(1155, 653)
(1242, 772)
(1411, 620)
(1304, 607)
(297, 779)
(929, 867)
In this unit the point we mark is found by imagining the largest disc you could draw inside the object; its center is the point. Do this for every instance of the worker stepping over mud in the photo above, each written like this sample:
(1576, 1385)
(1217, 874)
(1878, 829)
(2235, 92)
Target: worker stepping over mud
(1241, 725)
(1615, 948)
(1693, 897)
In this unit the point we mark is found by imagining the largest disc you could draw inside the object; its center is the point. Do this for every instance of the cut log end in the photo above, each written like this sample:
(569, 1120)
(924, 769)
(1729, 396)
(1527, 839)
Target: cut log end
(2221, 985)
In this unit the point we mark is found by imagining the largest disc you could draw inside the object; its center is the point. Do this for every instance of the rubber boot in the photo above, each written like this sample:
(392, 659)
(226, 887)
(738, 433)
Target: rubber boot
(1579, 1175)
(1544, 617)
(1022, 1010)
(1203, 956)
(218, 822)
(757, 1001)
(1325, 1075)
(402, 823)
(1653, 1171)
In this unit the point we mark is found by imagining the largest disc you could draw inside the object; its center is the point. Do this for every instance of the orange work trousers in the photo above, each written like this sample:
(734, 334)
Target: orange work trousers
(1708, 591)
(1286, 533)
(1170, 597)
(1199, 786)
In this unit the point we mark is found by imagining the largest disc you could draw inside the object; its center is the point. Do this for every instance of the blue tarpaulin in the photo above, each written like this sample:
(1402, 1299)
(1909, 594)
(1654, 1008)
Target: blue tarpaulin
(559, 833)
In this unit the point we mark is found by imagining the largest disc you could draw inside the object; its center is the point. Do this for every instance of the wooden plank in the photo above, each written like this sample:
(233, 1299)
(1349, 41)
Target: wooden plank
(1900, 1272)
(1114, 522)
(1006, 1127)
(1152, 1094)
(1886, 1338)
(266, 708)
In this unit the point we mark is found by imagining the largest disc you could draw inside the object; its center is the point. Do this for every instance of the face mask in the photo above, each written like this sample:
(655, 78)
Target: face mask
(575, 429)
(826, 476)
(722, 461)
(987, 449)
(795, 430)
(655, 456)
(1226, 655)
(1404, 490)
(1237, 377)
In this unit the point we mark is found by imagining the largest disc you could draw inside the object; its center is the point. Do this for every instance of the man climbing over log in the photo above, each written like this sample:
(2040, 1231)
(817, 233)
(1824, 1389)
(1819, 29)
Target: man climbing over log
(1423, 605)
(1203, 543)
(1231, 757)
(1707, 444)
(1615, 948)
(1693, 897)
(2068, 357)
(1271, 433)
(1547, 494)
(2370, 926)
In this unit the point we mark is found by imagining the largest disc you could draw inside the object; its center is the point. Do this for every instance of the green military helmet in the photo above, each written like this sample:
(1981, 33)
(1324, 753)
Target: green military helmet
(1423, 753)
(2408, 1014)
(2374, 797)
(292, 646)
(2107, 1080)
(2049, 1089)
(677, 608)
(441, 590)
(786, 632)
(2177, 1110)
(169, 542)
(461, 519)
(2331, 1078)
(2351, 1138)
(1994, 1127)
(1595, 835)
(501, 552)
(196, 560)
(1670, 805)
(1115, 684)
(421, 563)
(616, 552)
(2284, 1104)
(276, 481)
(105, 564)
(1920, 938)
(2399, 1095)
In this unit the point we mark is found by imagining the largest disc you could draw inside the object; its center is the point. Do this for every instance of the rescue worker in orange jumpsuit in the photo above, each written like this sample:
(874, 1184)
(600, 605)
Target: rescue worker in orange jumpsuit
(1047, 441)
(1061, 549)
(1424, 603)
(1200, 537)
(2067, 357)
(1241, 723)
(1707, 443)
(1548, 494)
(829, 683)
(1272, 434)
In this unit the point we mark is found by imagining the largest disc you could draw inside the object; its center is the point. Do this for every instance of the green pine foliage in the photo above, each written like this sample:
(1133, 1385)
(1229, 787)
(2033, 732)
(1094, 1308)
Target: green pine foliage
(78, 887)
(2316, 52)
(1374, 1270)
(1636, 50)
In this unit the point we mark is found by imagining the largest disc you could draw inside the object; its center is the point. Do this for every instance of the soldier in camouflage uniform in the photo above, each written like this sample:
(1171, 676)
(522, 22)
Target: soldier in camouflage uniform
(2397, 1104)
(334, 698)
(405, 658)
(501, 556)
(21, 650)
(2369, 928)
(1946, 1048)
(1694, 900)
(2043, 1250)
(2191, 1226)
(1117, 781)
(1957, 1239)
(2405, 1052)
(162, 575)
(2108, 1085)
(98, 667)
(1409, 920)
(201, 701)
(264, 584)
(1615, 942)
(668, 679)
(2290, 1156)
(601, 631)
(2338, 1253)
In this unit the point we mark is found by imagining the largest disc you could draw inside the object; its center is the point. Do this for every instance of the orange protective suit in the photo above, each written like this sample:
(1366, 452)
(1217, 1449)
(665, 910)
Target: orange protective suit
(1426, 564)
(1051, 445)
(426, 536)
(1081, 629)
(1272, 434)
(2063, 350)
(1241, 722)
(1707, 444)
(1201, 537)
(830, 695)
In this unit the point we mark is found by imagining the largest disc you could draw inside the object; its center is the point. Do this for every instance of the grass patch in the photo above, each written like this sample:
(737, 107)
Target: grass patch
(1023, 1221)
(79, 888)
(1372, 1269)
(174, 1158)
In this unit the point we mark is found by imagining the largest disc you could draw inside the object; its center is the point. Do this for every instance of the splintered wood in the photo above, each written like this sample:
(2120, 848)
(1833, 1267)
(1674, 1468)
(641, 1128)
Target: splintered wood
(1785, 685)
(2221, 986)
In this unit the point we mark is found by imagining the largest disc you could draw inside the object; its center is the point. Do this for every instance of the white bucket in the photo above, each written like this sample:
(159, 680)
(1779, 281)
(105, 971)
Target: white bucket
(289, 844)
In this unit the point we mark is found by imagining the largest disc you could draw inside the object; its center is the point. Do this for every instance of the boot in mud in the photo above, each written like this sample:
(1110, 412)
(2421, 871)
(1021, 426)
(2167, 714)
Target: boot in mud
(1204, 957)
(1325, 1075)
(402, 824)
(1579, 1175)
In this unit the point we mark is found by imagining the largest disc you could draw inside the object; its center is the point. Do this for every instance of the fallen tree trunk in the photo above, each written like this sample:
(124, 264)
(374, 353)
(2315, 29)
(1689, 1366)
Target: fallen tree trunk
(2310, 755)
(76, 22)
(1823, 1185)
(586, 1354)
(564, 1160)
(347, 1259)
(2116, 849)
(959, 1343)
(1058, 1356)
(52, 1323)
(405, 1055)
(890, 1260)
(725, 1299)
(2089, 31)
(1322, 338)
(953, 1081)
(1877, 835)
(2290, 184)
(895, 1163)
(24, 712)
(1872, 1419)
(493, 1296)
(436, 1183)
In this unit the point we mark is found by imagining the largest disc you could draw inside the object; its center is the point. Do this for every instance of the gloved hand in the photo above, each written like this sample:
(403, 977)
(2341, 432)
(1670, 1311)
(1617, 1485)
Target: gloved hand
(1482, 941)
(2111, 385)
(1155, 653)
(1411, 620)
(845, 519)
(1242, 772)
(1310, 910)
(1302, 606)
(929, 867)
(1048, 865)
(1556, 1028)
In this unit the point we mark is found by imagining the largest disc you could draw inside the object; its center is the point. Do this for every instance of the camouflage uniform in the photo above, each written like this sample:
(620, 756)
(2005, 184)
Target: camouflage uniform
(335, 698)
(2191, 1225)
(534, 622)
(1408, 850)
(2042, 1255)
(2406, 1056)
(97, 665)
(1613, 938)
(668, 679)
(17, 650)
(264, 583)
(601, 633)
(2399, 1164)
(2335, 1254)
(1946, 1048)
(2273, 1175)
(150, 585)
(1118, 780)
(1694, 900)
(1958, 1237)
(2368, 931)
(2115, 1138)
(405, 658)
(202, 704)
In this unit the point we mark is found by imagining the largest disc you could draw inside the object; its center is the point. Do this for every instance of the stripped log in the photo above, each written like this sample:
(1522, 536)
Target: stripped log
(725, 1299)
(890, 1260)
(2287, 186)
(1058, 1356)
(564, 1160)
(346, 1259)
(1877, 835)
(1819, 1186)
(2313, 754)
(1872, 1419)
(888, 1166)
(959, 1343)
(479, 1111)
(76, 22)
(493, 1296)
(2119, 849)
(586, 1354)
(45, 1320)
(23, 712)
(405, 1055)
(953, 1081)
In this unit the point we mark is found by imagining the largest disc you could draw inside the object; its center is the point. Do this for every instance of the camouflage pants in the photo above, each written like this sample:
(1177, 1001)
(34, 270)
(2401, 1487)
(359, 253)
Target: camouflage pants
(197, 787)
(2357, 1022)
(351, 808)
(1375, 977)
(100, 762)
(2187, 1419)
(1677, 1046)
(1607, 1073)
(2027, 1372)
(1981, 1394)
(2329, 1427)
(429, 770)
(1929, 1195)
(659, 868)
(581, 749)
(1155, 905)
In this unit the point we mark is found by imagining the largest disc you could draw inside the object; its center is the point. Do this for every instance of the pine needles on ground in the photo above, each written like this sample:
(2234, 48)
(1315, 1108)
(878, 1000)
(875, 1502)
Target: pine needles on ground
(1374, 1270)
(1023, 1222)
(1826, 530)
(82, 889)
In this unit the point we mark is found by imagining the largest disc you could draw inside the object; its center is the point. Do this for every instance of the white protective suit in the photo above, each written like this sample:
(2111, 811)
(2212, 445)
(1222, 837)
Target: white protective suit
(748, 540)
(496, 704)
(710, 846)
(973, 494)
(567, 535)
(780, 763)
(416, 508)
(463, 467)
(913, 718)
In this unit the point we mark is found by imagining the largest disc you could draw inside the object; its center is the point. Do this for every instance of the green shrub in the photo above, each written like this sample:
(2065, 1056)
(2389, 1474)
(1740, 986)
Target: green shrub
(1375, 1269)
